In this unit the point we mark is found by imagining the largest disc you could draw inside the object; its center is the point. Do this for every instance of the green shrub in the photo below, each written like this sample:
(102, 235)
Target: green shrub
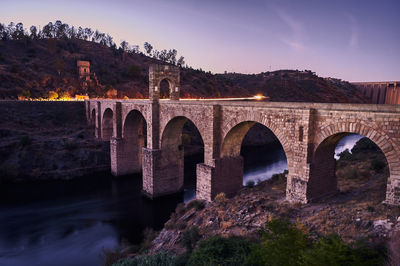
(346, 156)
(278, 178)
(281, 244)
(111, 256)
(220, 251)
(182, 259)
(159, 259)
(250, 183)
(148, 236)
(331, 250)
(190, 237)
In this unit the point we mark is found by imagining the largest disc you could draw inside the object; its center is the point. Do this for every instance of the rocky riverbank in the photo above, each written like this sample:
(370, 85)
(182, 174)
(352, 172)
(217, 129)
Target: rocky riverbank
(48, 140)
(356, 214)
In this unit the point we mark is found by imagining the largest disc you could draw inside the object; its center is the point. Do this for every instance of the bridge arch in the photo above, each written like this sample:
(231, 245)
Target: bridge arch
(133, 123)
(134, 138)
(179, 133)
(107, 124)
(233, 149)
(322, 180)
(235, 131)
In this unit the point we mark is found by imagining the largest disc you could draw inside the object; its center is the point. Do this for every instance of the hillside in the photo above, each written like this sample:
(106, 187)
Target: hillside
(36, 66)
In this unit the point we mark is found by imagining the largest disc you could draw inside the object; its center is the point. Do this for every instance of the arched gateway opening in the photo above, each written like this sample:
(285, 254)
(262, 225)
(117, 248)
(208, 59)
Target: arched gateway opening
(350, 166)
(165, 86)
(134, 135)
(261, 153)
(182, 149)
(107, 125)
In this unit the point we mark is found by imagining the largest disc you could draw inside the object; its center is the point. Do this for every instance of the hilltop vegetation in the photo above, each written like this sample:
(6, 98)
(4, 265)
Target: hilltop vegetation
(34, 63)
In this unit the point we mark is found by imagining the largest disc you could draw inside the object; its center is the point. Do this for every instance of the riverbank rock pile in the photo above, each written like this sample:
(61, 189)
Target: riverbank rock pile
(351, 215)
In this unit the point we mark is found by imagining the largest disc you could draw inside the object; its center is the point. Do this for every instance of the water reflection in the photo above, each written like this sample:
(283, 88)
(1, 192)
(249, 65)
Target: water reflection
(346, 143)
(262, 162)
(68, 223)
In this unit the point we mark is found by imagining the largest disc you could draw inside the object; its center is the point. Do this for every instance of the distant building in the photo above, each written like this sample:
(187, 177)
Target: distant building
(83, 69)
(387, 92)
(88, 81)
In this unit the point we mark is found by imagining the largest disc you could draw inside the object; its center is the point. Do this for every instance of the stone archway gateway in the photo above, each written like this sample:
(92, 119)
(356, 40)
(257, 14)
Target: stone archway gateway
(300, 127)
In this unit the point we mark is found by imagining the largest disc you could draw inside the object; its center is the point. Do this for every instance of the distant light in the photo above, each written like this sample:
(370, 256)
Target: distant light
(259, 97)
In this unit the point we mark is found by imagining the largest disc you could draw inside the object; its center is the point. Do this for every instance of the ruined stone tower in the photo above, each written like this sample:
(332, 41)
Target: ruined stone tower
(83, 69)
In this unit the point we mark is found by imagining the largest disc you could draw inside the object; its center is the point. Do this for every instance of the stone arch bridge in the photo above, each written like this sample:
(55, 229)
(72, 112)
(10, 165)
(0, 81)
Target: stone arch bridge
(145, 135)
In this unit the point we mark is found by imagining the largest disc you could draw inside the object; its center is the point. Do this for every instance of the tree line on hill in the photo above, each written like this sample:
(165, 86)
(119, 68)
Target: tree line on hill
(59, 30)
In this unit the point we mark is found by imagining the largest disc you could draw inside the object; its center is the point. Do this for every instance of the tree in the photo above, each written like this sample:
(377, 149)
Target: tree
(148, 48)
(48, 30)
(52, 95)
(181, 61)
(124, 46)
(111, 93)
(19, 32)
(34, 33)
(171, 56)
(88, 33)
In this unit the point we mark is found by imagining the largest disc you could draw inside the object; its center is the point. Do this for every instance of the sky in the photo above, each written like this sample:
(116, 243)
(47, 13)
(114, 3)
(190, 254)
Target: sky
(351, 40)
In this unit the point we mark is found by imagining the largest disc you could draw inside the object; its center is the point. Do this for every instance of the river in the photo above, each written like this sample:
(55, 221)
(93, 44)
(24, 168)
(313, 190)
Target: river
(70, 222)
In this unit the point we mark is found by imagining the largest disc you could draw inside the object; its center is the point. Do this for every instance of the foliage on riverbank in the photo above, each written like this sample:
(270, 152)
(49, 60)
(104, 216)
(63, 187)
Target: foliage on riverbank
(282, 243)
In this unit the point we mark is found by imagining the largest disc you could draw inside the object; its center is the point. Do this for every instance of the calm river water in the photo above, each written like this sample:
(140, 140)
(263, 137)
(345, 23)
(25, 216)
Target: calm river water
(70, 222)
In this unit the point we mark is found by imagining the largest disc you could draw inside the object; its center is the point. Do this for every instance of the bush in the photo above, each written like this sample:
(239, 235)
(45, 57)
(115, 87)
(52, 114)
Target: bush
(190, 237)
(160, 259)
(111, 256)
(148, 236)
(281, 244)
(346, 155)
(196, 204)
(250, 183)
(220, 198)
(220, 251)
(278, 178)
(331, 250)
(52, 95)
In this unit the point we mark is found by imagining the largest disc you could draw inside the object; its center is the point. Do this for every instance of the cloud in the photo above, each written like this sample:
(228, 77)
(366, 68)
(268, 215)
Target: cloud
(295, 41)
(353, 40)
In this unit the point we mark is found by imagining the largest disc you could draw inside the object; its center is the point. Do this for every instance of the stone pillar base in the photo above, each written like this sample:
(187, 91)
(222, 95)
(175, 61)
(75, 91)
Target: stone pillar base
(393, 191)
(296, 189)
(162, 174)
(124, 158)
(225, 176)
